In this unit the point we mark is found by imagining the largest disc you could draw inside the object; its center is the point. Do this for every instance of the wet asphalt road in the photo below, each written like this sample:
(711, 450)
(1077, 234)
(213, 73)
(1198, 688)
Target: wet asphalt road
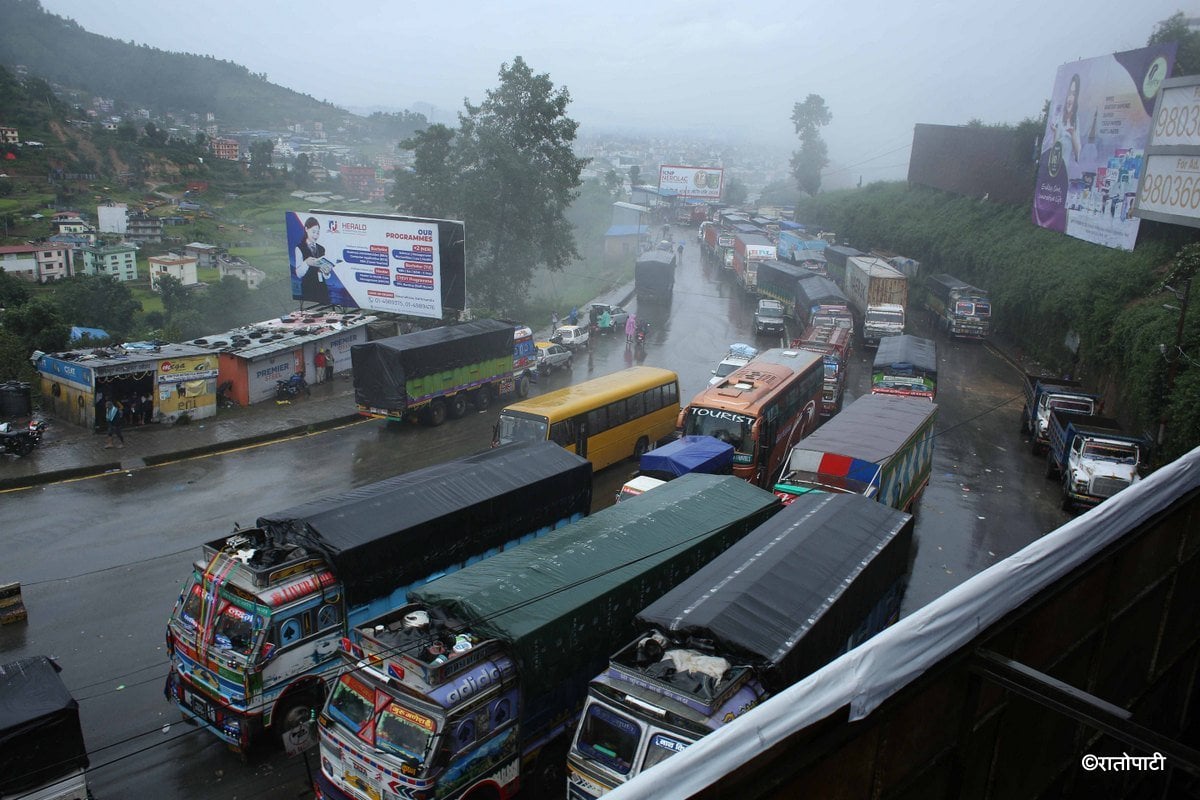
(102, 560)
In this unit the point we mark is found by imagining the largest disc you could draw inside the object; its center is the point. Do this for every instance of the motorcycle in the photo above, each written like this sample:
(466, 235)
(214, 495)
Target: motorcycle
(291, 387)
(640, 336)
(20, 440)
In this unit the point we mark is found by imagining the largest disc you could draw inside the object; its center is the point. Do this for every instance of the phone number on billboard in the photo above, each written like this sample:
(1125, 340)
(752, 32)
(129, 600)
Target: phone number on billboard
(1167, 192)
(1177, 120)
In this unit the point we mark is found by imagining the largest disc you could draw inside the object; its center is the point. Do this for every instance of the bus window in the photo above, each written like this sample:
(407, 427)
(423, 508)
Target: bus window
(563, 433)
(617, 414)
(598, 420)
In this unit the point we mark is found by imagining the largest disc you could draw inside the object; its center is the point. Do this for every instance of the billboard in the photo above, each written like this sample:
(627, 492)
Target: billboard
(402, 265)
(1170, 187)
(1094, 144)
(703, 182)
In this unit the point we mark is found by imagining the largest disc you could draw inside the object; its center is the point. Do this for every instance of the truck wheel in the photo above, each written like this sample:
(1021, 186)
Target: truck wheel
(456, 406)
(523, 386)
(435, 414)
(482, 398)
(296, 709)
(639, 449)
(550, 771)
(1036, 447)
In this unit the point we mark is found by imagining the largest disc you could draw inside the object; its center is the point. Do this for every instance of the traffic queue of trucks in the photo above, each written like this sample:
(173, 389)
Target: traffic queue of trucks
(253, 638)
(473, 688)
(905, 365)
(750, 249)
(879, 293)
(818, 301)
(833, 342)
(815, 580)
(960, 309)
(441, 372)
(1092, 456)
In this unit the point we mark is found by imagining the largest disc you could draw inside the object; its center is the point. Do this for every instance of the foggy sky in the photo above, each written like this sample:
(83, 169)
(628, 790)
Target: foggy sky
(716, 69)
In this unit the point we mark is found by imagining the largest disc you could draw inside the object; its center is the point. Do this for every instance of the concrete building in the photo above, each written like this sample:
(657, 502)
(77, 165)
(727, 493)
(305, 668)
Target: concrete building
(144, 228)
(224, 148)
(118, 260)
(205, 254)
(181, 268)
(9, 135)
(241, 269)
(38, 263)
(113, 218)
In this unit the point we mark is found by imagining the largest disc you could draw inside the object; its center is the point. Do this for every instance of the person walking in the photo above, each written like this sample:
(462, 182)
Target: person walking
(319, 364)
(630, 327)
(328, 365)
(112, 413)
(554, 322)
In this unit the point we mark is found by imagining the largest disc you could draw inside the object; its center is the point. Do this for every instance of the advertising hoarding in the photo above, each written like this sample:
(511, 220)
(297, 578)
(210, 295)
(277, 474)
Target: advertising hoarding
(704, 182)
(1093, 148)
(403, 265)
(1170, 187)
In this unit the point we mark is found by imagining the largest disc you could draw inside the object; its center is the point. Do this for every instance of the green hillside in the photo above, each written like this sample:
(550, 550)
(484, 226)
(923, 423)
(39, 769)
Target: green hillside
(62, 52)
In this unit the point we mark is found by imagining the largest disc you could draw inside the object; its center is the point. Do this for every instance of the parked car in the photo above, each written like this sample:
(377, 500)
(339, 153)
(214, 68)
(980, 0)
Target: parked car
(739, 355)
(552, 356)
(618, 314)
(572, 337)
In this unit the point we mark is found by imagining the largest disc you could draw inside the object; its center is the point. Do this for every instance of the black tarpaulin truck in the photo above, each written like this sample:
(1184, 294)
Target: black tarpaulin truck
(654, 276)
(42, 754)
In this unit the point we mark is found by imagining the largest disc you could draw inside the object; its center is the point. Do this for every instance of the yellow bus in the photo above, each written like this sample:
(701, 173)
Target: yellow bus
(604, 419)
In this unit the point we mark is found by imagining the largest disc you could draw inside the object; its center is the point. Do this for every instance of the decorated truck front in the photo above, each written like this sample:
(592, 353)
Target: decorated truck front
(253, 638)
(961, 310)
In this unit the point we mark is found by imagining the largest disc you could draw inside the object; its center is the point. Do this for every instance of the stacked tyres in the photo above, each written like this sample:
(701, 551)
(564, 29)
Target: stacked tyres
(15, 400)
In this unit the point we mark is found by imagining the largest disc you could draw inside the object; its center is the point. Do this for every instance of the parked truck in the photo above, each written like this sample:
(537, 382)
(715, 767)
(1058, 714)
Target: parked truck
(654, 276)
(878, 446)
(905, 365)
(818, 301)
(473, 688)
(718, 244)
(685, 455)
(42, 752)
(253, 638)
(837, 257)
(1044, 394)
(814, 581)
(1093, 457)
(750, 249)
(879, 293)
(777, 281)
(438, 373)
(797, 246)
(961, 310)
(833, 343)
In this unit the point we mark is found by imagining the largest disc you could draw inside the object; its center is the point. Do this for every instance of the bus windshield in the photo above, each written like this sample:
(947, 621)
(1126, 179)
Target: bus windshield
(518, 428)
(725, 426)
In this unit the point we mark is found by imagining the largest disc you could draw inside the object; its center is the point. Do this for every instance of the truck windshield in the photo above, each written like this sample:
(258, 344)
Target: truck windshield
(725, 426)
(964, 308)
(1073, 405)
(609, 737)
(660, 749)
(352, 703)
(404, 733)
(1111, 451)
(514, 428)
(234, 629)
(895, 317)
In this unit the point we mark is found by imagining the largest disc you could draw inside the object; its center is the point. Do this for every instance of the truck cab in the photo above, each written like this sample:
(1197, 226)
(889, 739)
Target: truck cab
(1093, 457)
(886, 319)
(768, 317)
(1043, 395)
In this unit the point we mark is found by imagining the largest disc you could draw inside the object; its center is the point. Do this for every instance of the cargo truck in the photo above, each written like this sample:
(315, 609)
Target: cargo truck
(749, 249)
(905, 365)
(797, 246)
(685, 455)
(878, 446)
(836, 259)
(1044, 394)
(42, 752)
(814, 581)
(777, 281)
(438, 373)
(473, 688)
(252, 641)
(718, 244)
(833, 343)
(879, 293)
(1094, 458)
(654, 276)
(961, 310)
(818, 301)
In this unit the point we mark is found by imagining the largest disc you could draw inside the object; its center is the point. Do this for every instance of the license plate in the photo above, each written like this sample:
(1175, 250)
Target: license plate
(200, 706)
(361, 785)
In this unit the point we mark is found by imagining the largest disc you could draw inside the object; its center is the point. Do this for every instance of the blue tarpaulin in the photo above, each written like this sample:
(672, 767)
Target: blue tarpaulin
(78, 333)
(688, 454)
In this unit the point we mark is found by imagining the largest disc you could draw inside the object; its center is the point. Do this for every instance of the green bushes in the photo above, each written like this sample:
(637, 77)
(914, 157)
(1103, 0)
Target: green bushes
(1046, 286)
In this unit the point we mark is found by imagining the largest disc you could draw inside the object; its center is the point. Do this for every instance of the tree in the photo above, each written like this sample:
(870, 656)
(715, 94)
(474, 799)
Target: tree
(175, 296)
(97, 301)
(300, 171)
(38, 325)
(1175, 29)
(813, 156)
(14, 358)
(261, 152)
(154, 134)
(127, 131)
(13, 290)
(614, 183)
(735, 191)
(429, 188)
(635, 175)
(510, 174)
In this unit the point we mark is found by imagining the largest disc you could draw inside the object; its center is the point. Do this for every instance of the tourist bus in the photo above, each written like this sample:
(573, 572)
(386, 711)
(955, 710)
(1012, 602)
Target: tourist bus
(761, 409)
(604, 419)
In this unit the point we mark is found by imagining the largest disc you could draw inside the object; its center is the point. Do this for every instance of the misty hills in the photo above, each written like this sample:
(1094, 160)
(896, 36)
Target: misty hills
(62, 52)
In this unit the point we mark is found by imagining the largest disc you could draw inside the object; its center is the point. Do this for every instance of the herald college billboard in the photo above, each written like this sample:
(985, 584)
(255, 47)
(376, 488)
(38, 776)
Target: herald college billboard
(702, 182)
(372, 262)
(1093, 149)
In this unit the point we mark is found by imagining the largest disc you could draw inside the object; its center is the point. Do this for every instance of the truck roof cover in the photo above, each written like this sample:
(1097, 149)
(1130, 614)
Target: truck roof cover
(40, 736)
(363, 531)
(554, 595)
(791, 592)
(816, 290)
(907, 349)
(689, 454)
(869, 430)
